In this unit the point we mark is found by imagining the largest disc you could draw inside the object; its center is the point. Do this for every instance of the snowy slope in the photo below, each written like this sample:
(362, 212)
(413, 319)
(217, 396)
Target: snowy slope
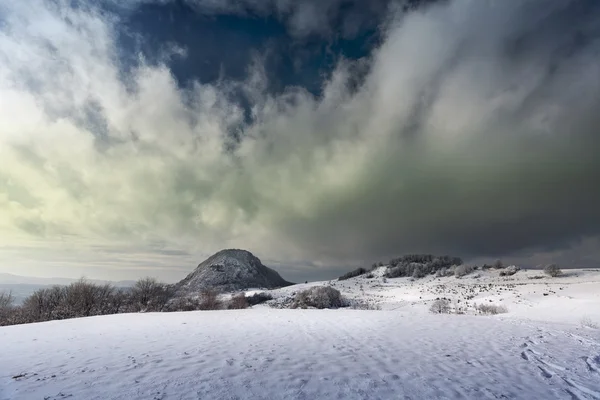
(264, 353)
(570, 298)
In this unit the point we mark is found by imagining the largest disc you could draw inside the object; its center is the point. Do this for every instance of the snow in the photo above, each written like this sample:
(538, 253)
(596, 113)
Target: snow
(538, 350)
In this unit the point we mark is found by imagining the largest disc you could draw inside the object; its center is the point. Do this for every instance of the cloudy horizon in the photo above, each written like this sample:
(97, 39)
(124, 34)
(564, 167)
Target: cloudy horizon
(139, 137)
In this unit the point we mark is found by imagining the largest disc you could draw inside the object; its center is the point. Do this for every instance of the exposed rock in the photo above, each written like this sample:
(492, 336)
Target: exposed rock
(228, 271)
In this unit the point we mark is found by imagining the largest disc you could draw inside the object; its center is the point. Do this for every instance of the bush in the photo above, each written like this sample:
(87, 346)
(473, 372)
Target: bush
(356, 304)
(352, 274)
(491, 309)
(238, 302)
(463, 270)
(508, 271)
(318, 297)
(552, 270)
(258, 298)
(587, 322)
(441, 306)
(183, 304)
(209, 300)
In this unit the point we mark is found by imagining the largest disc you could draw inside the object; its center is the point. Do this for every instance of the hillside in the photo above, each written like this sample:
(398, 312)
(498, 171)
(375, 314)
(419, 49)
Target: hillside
(227, 271)
(529, 294)
(546, 347)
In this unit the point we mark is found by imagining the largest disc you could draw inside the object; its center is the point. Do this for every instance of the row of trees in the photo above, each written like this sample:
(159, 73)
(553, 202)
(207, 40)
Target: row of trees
(415, 265)
(84, 299)
(420, 265)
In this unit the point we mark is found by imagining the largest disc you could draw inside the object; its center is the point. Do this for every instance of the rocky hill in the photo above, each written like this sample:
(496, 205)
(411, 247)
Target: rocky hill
(228, 271)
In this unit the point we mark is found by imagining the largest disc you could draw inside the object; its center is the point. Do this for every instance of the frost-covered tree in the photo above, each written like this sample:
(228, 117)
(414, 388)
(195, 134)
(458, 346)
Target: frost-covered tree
(552, 270)
(441, 306)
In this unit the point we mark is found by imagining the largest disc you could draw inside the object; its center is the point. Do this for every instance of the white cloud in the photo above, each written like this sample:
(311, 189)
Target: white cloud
(449, 133)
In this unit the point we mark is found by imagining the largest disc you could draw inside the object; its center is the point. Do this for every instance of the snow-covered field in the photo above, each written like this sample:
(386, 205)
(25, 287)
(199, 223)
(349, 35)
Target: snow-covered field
(545, 347)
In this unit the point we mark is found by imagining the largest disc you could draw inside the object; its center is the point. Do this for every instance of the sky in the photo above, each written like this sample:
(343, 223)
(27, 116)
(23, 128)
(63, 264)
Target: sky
(139, 137)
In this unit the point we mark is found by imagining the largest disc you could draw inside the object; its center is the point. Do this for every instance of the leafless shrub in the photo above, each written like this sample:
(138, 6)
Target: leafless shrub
(318, 297)
(552, 270)
(587, 322)
(441, 306)
(183, 304)
(238, 302)
(498, 264)
(491, 309)
(357, 304)
(209, 300)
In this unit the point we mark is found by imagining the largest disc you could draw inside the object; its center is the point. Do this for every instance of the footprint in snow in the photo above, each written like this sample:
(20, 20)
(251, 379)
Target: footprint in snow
(545, 373)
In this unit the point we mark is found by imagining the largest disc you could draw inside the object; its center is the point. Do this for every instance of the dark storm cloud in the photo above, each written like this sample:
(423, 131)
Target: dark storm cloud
(465, 127)
(298, 43)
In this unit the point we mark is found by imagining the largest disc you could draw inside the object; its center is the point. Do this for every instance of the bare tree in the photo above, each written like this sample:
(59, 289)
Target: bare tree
(45, 305)
(84, 299)
(149, 295)
(6, 300)
(6, 308)
(118, 302)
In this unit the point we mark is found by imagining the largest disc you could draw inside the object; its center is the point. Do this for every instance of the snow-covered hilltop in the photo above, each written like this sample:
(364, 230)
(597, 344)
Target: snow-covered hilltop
(528, 294)
(228, 271)
(545, 346)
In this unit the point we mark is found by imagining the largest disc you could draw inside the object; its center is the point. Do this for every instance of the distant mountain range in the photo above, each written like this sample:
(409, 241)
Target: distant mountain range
(10, 279)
